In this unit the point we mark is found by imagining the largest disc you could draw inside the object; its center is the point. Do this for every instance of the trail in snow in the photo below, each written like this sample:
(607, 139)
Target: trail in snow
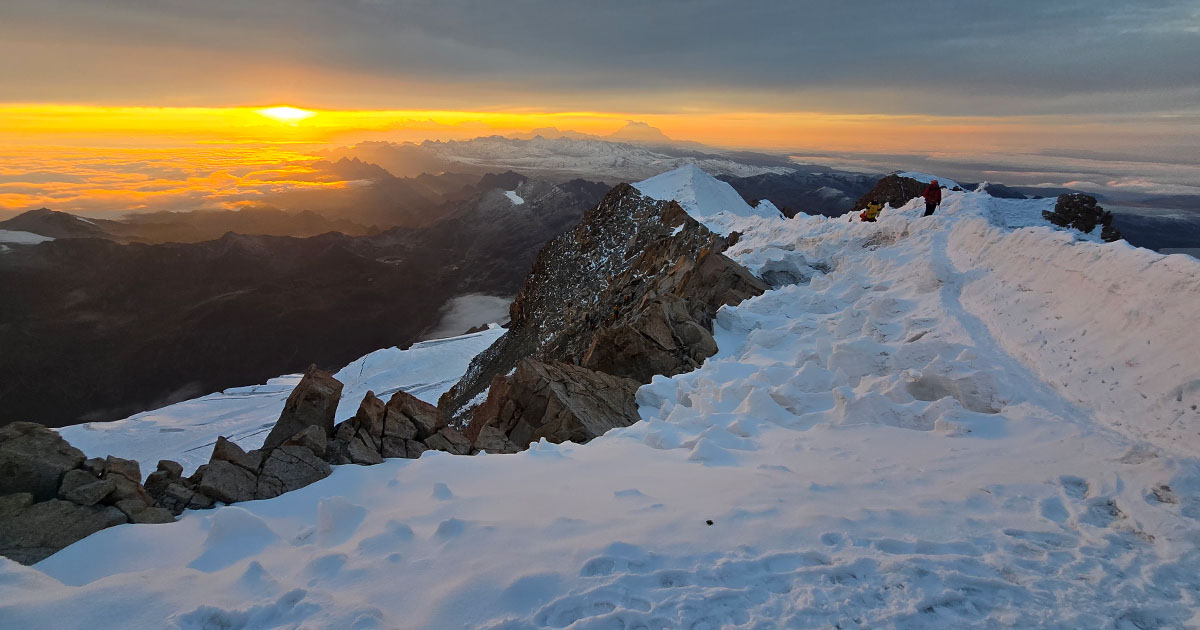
(876, 446)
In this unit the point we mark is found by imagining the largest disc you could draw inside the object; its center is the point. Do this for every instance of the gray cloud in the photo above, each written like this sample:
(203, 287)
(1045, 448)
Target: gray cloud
(938, 57)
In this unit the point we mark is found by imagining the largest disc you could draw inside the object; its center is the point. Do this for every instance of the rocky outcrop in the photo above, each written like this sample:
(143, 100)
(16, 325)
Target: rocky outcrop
(313, 402)
(631, 291)
(892, 190)
(34, 459)
(555, 401)
(52, 496)
(1080, 211)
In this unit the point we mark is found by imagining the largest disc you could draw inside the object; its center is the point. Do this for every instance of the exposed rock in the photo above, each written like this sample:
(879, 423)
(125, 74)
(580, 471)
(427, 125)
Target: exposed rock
(168, 472)
(227, 482)
(124, 489)
(449, 440)
(73, 479)
(424, 417)
(12, 504)
(152, 515)
(37, 531)
(34, 459)
(632, 289)
(312, 438)
(1080, 211)
(177, 497)
(313, 402)
(127, 468)
(173, 468)
(228, 451)
(558, 402)
(414, 448)
(90, 493)
(136, 512)
(892, 190)
(288, 468)
(95, 465)
(493, 441)
(359, 440)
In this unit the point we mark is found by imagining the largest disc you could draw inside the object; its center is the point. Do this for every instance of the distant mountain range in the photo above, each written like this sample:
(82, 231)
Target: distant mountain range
(96, 328)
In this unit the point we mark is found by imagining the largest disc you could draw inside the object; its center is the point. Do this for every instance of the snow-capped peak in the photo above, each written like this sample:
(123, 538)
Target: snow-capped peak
(703, 196)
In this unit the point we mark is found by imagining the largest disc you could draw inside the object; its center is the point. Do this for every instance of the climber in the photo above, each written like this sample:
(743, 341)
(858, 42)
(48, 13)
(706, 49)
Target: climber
(933, 197)
(872, 212)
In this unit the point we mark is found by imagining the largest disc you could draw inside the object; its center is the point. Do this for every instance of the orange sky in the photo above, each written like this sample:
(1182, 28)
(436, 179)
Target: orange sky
(107, 159)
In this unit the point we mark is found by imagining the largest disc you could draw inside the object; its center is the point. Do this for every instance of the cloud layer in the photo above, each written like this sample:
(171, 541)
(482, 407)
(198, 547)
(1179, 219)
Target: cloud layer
(937, 57)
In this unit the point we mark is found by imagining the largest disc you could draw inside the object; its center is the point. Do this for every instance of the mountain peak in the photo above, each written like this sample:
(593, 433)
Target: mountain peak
(642, 133)
(703, 196)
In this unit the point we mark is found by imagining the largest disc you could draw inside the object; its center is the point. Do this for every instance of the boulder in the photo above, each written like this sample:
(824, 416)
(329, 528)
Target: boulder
(168, 472)
(424, 417)
(177, 497)
(312, 438)
(449, 440)
(892, 190)
(288, 468)
(359, 440)
(34, 533)
(313, 402)
(138, 513)
(492, 440)
(34, 459)
(228, 451)
(95, 465)
(124, 489)
(414, 448)
(227, 482)
(557, 401)
(127, 468)
(90, 493)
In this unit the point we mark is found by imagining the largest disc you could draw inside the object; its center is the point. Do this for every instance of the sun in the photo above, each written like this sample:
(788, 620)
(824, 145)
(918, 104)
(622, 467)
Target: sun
(289, 115)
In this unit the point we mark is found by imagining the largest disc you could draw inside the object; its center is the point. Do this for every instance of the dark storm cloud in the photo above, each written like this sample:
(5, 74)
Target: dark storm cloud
(1013, 57)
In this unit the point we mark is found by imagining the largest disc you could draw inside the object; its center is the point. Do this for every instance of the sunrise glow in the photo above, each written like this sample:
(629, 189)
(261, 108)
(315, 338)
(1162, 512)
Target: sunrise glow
(290, 115)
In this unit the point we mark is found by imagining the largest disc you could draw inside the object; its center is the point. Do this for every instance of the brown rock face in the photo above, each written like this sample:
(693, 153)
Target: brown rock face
(556, 401)
(34, 459)
(314, 401)
(891, 190)
(631, 291)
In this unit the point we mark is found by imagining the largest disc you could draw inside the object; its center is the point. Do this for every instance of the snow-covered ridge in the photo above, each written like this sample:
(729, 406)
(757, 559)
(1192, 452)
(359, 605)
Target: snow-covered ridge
(704, 197)
(917, 434)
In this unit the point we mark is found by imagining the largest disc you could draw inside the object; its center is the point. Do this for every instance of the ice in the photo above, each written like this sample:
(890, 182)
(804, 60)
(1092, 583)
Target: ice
(513, 197)
(970, 420)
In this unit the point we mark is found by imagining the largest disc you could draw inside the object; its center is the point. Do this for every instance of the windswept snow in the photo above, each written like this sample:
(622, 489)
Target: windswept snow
(951, 424)
(706, 198)
(186, 431)
(22, 238)
(514, 197)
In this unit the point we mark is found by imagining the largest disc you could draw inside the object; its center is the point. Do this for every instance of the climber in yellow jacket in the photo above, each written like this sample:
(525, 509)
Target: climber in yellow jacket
(872, 212)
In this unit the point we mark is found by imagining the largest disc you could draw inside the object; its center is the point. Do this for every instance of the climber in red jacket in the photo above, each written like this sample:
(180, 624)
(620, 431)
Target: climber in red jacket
(933, 197)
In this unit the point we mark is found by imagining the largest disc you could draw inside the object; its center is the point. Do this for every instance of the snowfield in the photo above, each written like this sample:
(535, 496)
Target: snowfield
(186, 431)
(943, 422)
(22, 238)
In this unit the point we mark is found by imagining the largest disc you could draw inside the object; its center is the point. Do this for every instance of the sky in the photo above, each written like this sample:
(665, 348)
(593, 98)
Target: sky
(1109, 81)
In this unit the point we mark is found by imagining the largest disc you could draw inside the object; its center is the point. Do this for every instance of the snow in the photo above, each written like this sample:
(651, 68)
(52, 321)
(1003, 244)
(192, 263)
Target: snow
(22, 238)
(186, 431)
(927, 178)
(704, 197)
(950, 422)
(513, 197)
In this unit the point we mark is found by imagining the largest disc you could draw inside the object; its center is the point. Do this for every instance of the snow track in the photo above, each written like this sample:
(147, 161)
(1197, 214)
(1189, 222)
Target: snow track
(881, 442)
